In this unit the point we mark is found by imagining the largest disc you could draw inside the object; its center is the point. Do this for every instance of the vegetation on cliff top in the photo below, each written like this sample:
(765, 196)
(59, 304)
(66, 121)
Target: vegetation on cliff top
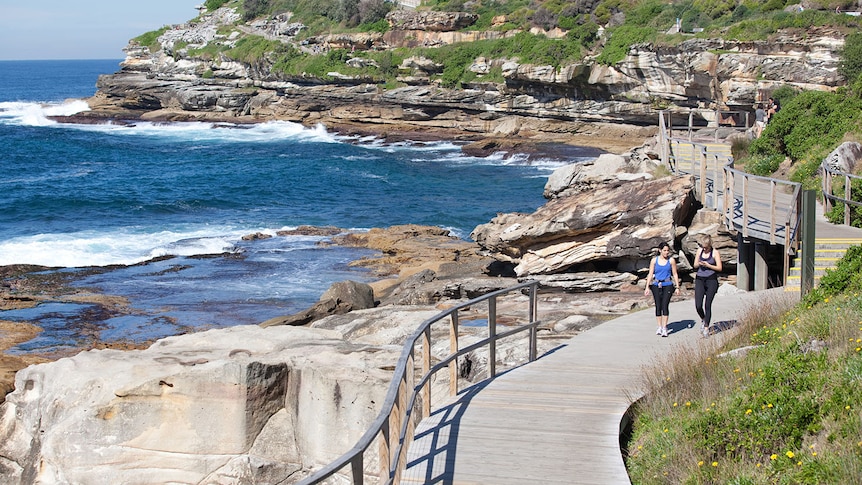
(601, 29)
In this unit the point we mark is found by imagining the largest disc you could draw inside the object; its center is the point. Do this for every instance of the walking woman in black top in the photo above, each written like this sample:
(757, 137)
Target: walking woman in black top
(707, 261)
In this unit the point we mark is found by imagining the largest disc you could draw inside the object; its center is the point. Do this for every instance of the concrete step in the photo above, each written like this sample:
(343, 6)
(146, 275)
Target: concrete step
(827, 253)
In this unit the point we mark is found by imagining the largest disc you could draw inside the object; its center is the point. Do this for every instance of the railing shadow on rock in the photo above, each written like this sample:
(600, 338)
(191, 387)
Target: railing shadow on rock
(407, 391)
(765, 208)
(829, 197)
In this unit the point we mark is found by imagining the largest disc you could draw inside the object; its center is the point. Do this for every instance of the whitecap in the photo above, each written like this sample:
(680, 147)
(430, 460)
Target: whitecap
(36, 114)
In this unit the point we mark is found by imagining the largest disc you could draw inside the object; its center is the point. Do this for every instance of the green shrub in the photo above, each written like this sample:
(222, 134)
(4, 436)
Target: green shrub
(252, 48)
(851, 57)
(621, 38)
(381, 26)
(253, 8)
(151, 39)
(847, 276)
(212, 5)
(739, 147)
(810, 122)
(763, 165)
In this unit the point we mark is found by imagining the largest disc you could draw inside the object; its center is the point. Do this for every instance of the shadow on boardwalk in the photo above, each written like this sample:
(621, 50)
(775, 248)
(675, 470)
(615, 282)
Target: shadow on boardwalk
(558, 420)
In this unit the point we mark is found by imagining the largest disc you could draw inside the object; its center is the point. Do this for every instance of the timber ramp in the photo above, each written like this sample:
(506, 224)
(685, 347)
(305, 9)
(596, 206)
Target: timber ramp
(558, 420)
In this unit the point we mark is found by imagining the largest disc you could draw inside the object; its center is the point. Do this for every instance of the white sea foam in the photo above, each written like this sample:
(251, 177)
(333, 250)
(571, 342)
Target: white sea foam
(36, 114)
(125, 246)
(205, 132)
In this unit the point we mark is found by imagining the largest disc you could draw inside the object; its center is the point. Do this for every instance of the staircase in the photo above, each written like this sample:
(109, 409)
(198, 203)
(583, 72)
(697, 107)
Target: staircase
(827, 253)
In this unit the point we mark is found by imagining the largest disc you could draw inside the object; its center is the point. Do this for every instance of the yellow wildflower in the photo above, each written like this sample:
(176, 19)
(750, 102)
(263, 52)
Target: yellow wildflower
(773, 456)
(715, 463)
(790, 454)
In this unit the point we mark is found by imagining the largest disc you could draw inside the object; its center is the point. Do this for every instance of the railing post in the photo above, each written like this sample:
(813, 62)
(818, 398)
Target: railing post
(406, 392)
(808, 236)
(395, 421)
(744, 206)
(492, 333)
(715, 179)
(426, 368)
(847, 198)
(453, 349)
(356, 467)
(702, 173)
(385, 453)
(786, 254)
(827, 190)
(728, 198)
(690, 124)
(772, 203)
(534, 334)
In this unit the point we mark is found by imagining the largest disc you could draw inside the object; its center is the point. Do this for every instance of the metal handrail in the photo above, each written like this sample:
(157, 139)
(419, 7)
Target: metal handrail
(829, 198)
(397, 411)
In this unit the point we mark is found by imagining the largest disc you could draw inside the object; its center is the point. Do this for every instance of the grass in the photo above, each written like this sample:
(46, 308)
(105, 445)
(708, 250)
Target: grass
(785, 409)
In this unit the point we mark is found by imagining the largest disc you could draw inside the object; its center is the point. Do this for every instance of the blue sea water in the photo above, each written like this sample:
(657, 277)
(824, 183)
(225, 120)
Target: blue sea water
(76, 196)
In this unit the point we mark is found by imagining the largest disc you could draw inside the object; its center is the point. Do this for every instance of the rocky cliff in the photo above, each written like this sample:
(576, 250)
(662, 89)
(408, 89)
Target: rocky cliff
(535, 101)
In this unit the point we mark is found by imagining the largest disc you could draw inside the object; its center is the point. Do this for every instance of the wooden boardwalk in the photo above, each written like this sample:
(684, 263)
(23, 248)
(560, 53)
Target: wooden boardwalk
(558, 419)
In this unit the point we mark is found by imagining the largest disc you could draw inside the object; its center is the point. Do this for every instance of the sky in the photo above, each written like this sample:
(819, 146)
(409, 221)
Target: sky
(82, 29)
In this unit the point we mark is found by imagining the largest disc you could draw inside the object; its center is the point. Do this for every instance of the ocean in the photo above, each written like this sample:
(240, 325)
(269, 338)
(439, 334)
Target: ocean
(112, 196)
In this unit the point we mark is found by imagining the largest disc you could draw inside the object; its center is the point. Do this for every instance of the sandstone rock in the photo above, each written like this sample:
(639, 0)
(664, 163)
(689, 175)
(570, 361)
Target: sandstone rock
(845, 157)
(341, 297)
(617, 220)
(578, 177)
(428, 20)
(192, 407)
(709, 222)
(585, 282)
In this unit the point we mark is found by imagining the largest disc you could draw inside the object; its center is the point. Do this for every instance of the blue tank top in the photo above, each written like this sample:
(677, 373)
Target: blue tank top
(662, 273)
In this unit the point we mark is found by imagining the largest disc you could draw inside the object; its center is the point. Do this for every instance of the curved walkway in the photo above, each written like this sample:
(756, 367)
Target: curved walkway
(557, 420)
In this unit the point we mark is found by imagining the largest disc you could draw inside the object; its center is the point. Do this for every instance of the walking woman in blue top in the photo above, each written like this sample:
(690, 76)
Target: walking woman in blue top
(663, 281)
(707, 262)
